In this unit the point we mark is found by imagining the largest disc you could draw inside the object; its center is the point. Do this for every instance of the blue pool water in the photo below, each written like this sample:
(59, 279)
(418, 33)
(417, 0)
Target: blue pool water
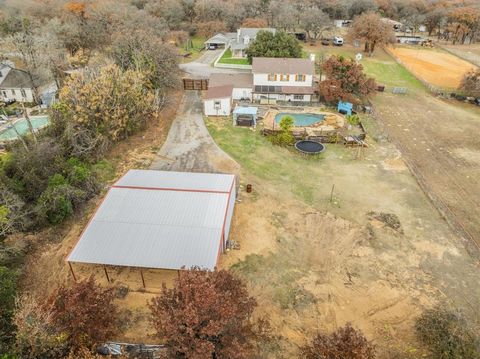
(301, 119)
(22, 127)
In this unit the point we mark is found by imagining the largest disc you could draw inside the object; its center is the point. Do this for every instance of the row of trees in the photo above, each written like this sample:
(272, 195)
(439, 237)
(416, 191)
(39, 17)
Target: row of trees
(87, 25)
(204, 315)
(126, 72)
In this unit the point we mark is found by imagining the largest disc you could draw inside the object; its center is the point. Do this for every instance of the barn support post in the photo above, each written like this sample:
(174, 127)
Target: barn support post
(106, 274)
(71, 271)
(143, 279)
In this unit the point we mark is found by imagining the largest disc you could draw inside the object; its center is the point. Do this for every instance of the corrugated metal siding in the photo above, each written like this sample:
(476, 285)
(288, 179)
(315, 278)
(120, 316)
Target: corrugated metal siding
(179, 180)
(231, 206)
(158, 228)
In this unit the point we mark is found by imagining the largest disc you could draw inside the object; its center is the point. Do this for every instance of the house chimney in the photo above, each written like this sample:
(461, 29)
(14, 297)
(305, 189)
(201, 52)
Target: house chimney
(312, 57)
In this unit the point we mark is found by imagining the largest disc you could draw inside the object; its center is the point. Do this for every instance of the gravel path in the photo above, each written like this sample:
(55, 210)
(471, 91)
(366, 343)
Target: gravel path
(189, 146)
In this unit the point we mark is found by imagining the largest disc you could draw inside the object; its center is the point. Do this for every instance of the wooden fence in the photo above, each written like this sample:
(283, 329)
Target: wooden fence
(195, 84)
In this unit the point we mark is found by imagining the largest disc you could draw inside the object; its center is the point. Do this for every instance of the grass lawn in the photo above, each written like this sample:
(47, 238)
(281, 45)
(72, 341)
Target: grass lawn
(381, 66)
(228, 59)
(194, 46)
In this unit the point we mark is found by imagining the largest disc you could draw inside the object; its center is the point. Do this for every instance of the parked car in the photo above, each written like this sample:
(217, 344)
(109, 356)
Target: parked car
(212, 47)
(338, 41)
(325, 42)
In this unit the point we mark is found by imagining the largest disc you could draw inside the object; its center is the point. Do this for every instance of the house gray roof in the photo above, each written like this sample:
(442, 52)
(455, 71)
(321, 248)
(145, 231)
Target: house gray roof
(158, 219)
(16, 79)
(271, 65)
(222, 38)
(222, 91)
(252, 32)
(238, 43)
(240, 80)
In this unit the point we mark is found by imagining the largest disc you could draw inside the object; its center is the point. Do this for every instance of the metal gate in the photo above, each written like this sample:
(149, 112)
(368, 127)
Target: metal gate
(195, 84)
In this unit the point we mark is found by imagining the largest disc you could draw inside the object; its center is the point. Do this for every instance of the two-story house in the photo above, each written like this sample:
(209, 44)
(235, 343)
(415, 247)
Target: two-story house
(245, 36)
(282, 79)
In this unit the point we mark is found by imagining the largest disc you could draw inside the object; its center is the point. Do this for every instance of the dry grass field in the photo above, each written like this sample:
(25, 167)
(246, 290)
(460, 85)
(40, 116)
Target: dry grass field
(436, 67)
(470, 53)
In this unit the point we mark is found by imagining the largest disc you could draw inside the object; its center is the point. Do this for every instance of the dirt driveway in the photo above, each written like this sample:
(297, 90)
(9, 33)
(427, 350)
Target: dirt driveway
(439, 140)
(189, 146)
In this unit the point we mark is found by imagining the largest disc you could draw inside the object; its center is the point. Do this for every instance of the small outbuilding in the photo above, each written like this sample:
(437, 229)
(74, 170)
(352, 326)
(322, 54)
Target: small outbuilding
(160, 220)
(218, 101)
(245, 116)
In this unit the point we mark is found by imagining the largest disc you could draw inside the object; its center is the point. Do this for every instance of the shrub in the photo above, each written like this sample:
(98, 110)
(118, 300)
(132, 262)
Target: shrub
(207, 315)
(84, 314)
(57, 202)
(346, 342)
(285, 136)
(446, 334)
(353, 120)
(8, 280)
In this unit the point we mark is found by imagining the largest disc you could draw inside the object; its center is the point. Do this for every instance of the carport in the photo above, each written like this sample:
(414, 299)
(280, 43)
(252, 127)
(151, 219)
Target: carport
(245, 116)
(218, 40)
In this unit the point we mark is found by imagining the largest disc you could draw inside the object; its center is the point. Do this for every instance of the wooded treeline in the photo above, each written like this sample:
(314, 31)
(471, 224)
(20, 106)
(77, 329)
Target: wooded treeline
(87, 25)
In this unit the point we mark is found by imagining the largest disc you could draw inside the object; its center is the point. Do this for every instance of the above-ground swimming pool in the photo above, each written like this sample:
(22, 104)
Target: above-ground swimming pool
(22, 127)
(301, 119)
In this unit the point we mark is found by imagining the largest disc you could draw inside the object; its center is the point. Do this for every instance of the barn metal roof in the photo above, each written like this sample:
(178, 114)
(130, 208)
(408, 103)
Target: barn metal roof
(158, 219)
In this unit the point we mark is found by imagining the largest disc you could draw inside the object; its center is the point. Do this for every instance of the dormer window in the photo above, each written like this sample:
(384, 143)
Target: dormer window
(300, 78)
(272, 77)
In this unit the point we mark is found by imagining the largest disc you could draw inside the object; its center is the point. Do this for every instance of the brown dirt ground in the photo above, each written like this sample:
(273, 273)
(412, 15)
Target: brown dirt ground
(439, 139)
(438, 68)
(311, 267)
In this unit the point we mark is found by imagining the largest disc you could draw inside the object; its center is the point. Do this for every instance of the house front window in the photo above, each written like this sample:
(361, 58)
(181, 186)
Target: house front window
(272, 77)
(217, 105)
(24, 94)
(4, 93)
(13, 92)
(300, 78)
(298, 97)
(284, 77)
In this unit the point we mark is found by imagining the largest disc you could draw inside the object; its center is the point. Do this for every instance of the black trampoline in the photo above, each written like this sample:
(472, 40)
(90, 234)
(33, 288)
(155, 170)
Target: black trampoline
(309, 147)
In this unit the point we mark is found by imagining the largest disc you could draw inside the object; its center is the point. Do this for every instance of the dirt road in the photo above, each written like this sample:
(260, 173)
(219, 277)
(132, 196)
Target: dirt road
(439, 140)
(189, 146)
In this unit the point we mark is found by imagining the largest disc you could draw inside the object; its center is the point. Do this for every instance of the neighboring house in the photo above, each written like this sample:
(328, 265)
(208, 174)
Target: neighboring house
(223, 89)
(238, 42)
(15, 84)
(396, 26)
(221, 40)
(342, 23)
(410, 39)
(244, 38)
(282, 79)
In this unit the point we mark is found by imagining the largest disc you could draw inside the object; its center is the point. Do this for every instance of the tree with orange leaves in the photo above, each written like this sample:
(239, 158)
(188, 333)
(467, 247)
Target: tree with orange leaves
(207, 314)
(345, 80)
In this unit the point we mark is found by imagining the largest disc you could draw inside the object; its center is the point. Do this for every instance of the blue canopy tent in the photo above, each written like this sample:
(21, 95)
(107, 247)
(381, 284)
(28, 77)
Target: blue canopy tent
(245, 116)
(345, 108)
